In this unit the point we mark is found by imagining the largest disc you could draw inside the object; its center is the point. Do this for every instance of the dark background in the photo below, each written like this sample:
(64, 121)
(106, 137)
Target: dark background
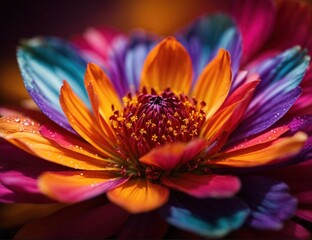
(26, 19)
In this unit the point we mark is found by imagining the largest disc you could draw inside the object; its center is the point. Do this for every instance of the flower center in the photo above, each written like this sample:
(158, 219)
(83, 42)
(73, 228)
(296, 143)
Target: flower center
(148, 120)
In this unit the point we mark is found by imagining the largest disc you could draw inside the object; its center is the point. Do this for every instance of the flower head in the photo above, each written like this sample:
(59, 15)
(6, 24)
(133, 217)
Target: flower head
(179, 140)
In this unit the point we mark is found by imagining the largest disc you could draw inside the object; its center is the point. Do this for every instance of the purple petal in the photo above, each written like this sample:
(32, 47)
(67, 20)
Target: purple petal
(126, 61)
(266, 115)
(301, 123)
(269, 201)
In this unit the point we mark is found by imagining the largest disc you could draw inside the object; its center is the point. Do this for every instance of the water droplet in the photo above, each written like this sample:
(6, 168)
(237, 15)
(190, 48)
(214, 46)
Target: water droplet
(16, 119)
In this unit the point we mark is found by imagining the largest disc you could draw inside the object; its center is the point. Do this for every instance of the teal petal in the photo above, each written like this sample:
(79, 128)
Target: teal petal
(280, 73)
(45, 63)
(206, 217)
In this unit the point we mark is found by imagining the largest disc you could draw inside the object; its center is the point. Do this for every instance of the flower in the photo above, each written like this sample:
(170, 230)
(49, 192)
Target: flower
(171, 132)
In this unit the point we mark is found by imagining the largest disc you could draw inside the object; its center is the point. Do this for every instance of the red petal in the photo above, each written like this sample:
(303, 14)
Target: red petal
(169, 156)
(202, 186)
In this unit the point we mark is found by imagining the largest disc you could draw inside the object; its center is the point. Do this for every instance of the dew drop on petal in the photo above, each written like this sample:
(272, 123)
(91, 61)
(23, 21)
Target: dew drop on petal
(16, 119)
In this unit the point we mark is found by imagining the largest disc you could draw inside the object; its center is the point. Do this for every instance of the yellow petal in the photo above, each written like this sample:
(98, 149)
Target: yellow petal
(139, 195)
(262, 153)
(213, 85)
(168, 65)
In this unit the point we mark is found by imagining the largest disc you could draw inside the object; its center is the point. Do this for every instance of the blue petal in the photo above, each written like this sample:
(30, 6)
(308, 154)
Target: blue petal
(206, 36)
(269, 201)
(205, 217)
(45, 63)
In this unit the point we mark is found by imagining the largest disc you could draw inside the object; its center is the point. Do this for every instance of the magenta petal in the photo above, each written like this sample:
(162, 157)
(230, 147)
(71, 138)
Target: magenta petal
(9, 196)
(88, 220)
(202, 186)
(19, 182)
(95, 44)
(292, 25)
(255, 20)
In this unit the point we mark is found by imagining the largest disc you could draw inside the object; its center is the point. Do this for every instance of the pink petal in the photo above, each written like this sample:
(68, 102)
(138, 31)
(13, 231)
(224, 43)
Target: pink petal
(96, 43)
(202, 186)
(169, 156)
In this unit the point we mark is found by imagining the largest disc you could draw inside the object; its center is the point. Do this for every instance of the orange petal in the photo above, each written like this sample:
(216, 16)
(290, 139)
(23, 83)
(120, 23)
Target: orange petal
(169, 156)
(24, 133)
(213, 85)
(168, 65)
(139, 195)
(84, 122)
(214, 126)
(76, 186)
(102, 95)
(262, 153)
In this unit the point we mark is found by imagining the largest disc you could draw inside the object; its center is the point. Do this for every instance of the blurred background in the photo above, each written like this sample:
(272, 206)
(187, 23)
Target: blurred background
(66, 19)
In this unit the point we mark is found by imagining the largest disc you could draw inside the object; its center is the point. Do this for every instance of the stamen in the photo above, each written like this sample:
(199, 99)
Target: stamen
(148, 120)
